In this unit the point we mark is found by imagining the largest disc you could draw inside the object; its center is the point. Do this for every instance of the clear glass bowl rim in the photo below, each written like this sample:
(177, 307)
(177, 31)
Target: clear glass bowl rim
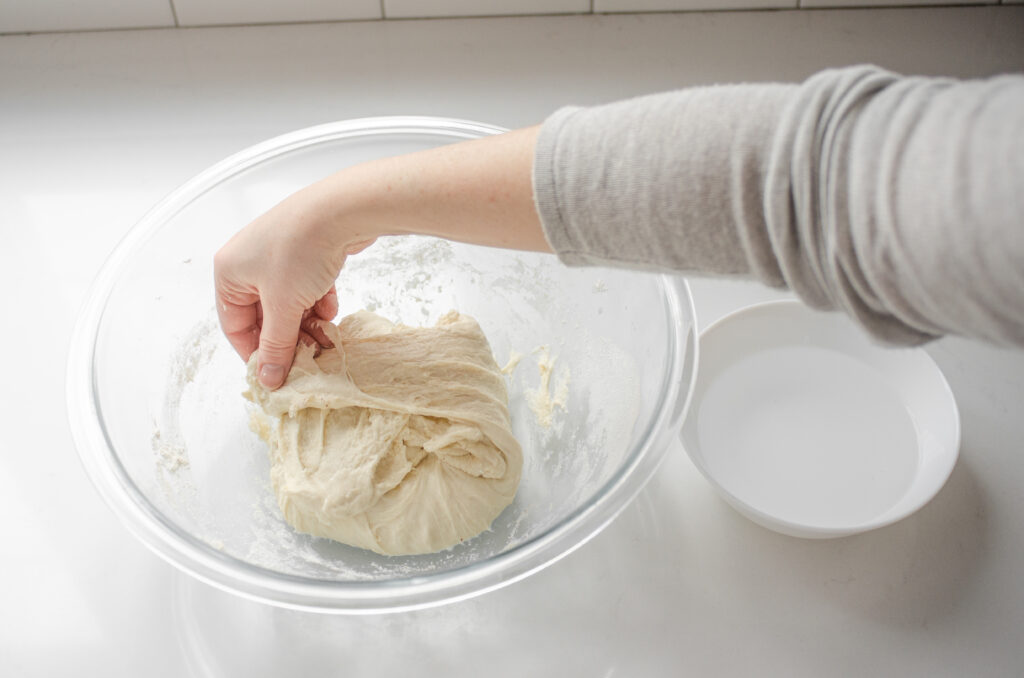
(199, 559)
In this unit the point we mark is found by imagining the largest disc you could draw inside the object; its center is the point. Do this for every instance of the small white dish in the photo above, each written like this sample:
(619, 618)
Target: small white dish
(807, 427)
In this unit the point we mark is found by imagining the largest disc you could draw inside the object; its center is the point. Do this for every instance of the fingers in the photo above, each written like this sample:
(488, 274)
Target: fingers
(251, 327)
(327, 306)
(241, 326)
(310, 326)
(277, 342)
(306, 339)
(254, 325)
(237, 306)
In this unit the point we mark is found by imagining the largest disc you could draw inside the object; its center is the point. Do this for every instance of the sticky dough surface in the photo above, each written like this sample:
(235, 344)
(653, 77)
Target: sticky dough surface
(397, 440)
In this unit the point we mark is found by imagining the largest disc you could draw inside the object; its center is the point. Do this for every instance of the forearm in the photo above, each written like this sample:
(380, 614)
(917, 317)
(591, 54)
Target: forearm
(478, 192)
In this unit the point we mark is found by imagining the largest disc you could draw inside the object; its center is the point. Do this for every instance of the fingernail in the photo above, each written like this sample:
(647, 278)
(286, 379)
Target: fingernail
(271, 376)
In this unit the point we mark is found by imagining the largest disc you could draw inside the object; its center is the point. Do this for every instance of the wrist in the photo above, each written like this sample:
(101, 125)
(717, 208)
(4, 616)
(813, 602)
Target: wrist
(342, 211)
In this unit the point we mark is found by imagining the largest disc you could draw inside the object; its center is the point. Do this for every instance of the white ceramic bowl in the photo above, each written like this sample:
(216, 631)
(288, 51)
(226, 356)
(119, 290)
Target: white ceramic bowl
(156, 412)
(808, 428)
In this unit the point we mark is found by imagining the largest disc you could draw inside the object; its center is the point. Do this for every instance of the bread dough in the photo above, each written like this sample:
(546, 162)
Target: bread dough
(397, 440)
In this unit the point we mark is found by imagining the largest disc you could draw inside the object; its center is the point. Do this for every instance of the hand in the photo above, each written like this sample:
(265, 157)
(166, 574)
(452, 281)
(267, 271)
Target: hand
(275, 276)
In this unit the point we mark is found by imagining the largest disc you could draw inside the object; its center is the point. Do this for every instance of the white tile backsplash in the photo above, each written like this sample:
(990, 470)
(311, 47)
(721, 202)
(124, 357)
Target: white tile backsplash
(213, 12)
(890, 3)
(26, 16)
(686, 5)
(402, 9)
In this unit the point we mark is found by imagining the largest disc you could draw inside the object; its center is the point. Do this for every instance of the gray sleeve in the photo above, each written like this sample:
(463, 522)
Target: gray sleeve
(897, 200)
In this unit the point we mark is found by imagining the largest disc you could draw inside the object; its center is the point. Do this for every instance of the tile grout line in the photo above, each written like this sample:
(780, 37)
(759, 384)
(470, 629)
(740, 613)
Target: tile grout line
(383, 12)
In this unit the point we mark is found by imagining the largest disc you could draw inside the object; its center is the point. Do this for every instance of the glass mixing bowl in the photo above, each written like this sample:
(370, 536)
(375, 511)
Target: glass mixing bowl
(158, 419)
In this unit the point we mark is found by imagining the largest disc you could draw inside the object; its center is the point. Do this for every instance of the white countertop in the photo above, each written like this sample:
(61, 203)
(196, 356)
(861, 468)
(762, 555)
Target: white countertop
(96, 127)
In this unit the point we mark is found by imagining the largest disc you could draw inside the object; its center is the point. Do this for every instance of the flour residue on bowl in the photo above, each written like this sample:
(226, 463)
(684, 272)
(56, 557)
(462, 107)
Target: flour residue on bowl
(170, 457)
(543, 399)
(514, 358)
(193, 353)
(187, 400)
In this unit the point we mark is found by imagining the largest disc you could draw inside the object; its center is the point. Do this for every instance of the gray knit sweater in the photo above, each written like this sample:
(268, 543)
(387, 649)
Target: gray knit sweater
(898, 200)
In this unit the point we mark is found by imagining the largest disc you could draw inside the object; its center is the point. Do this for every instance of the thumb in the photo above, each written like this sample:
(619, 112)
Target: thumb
(278, 337)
